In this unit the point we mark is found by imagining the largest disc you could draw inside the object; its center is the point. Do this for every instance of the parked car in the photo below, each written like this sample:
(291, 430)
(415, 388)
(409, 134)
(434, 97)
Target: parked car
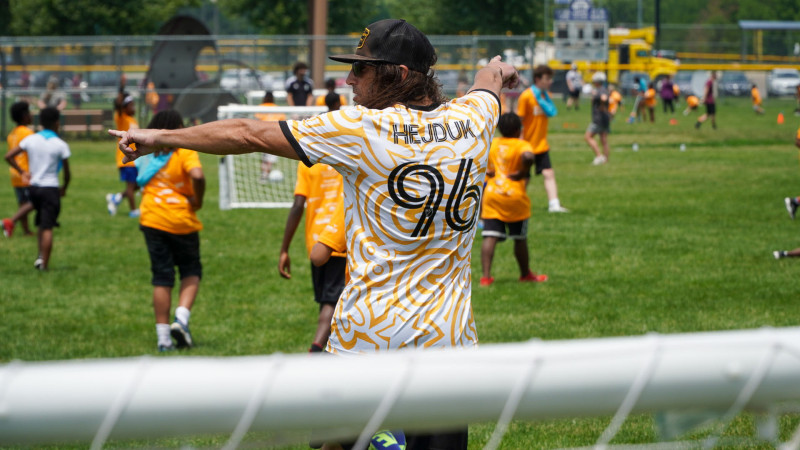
(246, 80)
(733, 82)
(783, 81)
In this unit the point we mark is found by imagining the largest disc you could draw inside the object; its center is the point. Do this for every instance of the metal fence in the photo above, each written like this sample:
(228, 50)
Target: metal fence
(88, 69)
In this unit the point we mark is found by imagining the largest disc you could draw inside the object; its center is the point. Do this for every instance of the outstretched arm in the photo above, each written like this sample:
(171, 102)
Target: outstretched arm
(495, 76)
(223, 137)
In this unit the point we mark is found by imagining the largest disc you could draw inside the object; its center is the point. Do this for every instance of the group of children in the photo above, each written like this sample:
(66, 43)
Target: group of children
(172, 185)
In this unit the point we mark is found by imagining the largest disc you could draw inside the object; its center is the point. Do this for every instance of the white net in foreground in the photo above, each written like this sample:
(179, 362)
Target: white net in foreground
(258, 180)
(96, 400)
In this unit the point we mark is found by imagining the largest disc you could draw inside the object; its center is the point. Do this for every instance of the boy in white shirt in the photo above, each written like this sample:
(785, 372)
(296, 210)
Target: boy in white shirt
(47, 154)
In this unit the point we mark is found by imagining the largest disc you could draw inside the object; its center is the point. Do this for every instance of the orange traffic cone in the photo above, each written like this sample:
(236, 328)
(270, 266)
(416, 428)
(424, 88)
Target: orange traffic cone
(780, 118)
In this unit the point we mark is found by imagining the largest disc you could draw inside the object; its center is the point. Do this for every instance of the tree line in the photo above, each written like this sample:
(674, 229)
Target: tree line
(144, 17)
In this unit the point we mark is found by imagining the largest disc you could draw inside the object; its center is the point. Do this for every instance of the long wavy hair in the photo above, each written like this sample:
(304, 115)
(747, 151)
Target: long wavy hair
(390, 88)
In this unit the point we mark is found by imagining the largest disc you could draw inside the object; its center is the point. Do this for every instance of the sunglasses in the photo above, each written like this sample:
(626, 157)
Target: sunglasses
(358, 67)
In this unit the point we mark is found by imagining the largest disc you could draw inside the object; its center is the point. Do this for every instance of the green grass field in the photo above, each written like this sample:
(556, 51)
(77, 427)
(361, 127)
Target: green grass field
(657, 240)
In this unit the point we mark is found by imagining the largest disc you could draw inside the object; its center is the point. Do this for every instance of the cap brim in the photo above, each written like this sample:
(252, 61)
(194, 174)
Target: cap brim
(351, 58)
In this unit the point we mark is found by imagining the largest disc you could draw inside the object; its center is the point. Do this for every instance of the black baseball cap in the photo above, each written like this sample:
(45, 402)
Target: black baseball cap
(393, 41)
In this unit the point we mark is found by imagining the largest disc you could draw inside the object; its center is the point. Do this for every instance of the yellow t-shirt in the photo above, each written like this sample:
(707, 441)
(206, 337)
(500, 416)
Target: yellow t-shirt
(270, 116)
(320, 101)
(534, 121)
(124, 122)
(412, 186)
(692, 101)
(164, 204)
(650, 98)
(333, 234)
(503, 198)
(322, 188)
(14, 138)
(756, 96)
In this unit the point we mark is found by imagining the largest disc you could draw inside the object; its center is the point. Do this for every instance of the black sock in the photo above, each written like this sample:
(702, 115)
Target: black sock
(315, 348)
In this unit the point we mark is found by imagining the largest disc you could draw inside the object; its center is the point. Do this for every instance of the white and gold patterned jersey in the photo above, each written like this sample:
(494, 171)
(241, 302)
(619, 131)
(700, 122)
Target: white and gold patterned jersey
(412, 188)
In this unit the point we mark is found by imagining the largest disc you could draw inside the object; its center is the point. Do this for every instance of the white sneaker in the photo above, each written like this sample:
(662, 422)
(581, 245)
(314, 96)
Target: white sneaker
(111, 204)
(557, 209)
(134, 214)
(39, 263)
(778, 254)
(599, 160)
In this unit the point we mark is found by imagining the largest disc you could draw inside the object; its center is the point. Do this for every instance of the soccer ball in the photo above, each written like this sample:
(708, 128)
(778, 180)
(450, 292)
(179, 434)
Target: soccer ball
(275, 175)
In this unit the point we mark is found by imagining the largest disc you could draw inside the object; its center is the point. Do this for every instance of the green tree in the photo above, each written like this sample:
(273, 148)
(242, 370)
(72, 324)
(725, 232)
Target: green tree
(291, 16)
(89, 18)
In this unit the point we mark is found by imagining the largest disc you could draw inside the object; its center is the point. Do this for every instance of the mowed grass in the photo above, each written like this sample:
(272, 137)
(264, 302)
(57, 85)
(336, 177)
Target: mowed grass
(659, 240)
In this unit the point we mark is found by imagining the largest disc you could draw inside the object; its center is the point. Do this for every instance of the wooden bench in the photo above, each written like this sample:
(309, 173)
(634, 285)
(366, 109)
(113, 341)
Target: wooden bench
(85, 120)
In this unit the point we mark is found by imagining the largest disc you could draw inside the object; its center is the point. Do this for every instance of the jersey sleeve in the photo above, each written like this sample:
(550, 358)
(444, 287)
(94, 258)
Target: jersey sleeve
(486, 102)
(336, 138)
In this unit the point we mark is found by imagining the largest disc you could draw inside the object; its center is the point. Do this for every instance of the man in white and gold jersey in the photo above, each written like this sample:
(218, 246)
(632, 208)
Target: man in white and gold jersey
(413, 165)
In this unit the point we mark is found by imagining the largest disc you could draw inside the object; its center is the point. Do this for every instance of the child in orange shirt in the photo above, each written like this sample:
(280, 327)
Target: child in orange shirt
(21, 114)
(173, 186)
(650, 101)
(756, 96)
(506, 208)
(692, 102)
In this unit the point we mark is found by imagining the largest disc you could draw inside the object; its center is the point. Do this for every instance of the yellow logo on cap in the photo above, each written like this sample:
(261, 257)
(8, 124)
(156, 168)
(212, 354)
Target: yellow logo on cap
(363, 38)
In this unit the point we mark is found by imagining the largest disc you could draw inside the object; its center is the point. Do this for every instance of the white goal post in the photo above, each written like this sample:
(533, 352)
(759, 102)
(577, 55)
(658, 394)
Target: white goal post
(95, 400)
(258, 180)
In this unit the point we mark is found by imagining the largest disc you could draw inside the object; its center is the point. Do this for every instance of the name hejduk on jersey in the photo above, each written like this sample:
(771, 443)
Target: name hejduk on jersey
(435, 132)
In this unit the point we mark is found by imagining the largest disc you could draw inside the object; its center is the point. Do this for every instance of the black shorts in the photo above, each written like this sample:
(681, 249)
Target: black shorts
(496, 228)
(575, 93)
(47, 203)
(542, 161)
(711, 108)
(328, 280)
(168, 250)
(23, 195)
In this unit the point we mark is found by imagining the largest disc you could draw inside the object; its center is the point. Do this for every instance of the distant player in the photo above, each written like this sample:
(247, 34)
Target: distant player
(267, 160)
(123, 116)
(506, 207)
(709, 100)
(692, 102)
(318, 191)
(756, 97)
(330, 85)
(299, 88)
(792, 203)
(668, 94)
(614, 101)
(173, 187)
(535, 108)
(601, 120)
(21, 114)
(47, 154)
(574, 86)
(650, 101)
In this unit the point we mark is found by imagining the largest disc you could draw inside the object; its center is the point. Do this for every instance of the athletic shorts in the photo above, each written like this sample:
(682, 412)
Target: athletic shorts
(47, 203)
(575, 93)
(597, 129)
(496, 228)
(168, 250)
(542, 161)
(328, 280)
(128, 174)
(711, 108)
(23, 195)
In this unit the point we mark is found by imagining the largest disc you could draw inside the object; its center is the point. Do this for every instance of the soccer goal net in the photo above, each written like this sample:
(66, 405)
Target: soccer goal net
(259, 180)
(678, 377)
